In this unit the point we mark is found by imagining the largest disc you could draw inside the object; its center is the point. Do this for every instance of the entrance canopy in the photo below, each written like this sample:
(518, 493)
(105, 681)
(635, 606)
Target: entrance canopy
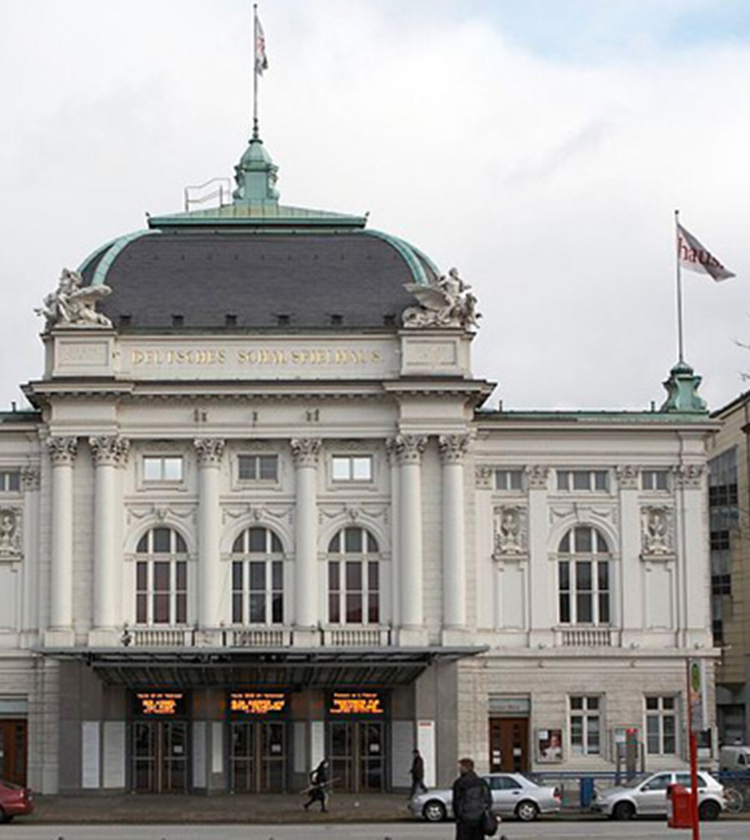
(273, 667)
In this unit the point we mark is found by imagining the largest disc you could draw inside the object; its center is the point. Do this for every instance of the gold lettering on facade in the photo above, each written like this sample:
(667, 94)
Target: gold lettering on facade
(205, 356)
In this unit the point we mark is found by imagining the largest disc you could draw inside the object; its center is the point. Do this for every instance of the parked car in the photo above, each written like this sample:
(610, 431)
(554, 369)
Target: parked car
(735, 758)
(512, 795)
(649, 796)
(14, 801)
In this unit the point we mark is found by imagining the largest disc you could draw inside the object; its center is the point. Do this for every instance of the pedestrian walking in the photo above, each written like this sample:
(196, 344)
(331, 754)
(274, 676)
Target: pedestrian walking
(471, 801)
(318, 789)
(417, 774)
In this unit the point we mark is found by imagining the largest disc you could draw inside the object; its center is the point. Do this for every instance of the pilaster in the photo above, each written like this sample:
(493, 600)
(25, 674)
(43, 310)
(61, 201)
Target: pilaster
(210, 452)
(453, 449)
(306, 452)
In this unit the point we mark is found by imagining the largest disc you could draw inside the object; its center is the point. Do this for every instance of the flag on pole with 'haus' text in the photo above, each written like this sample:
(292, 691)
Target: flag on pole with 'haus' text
(694, 257)
(261, 61)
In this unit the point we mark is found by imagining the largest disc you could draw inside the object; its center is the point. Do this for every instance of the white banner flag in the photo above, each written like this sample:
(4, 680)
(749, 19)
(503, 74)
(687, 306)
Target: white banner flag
(261, 60)
(694, 257)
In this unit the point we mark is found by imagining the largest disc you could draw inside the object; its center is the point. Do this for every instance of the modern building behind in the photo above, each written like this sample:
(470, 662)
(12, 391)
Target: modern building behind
(729, 521)
(259, 512)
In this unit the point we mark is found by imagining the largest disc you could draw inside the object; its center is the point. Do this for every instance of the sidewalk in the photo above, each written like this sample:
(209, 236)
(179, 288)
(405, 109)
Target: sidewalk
(222, 808)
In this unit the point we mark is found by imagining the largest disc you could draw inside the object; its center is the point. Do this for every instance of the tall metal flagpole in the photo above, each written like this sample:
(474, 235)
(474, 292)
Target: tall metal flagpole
(255, 71)
(680, 345)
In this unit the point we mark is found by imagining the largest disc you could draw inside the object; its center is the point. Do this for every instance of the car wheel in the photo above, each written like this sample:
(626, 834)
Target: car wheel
(527, 811)
(623, 811)
(709, 810)
(434, 811)
(5, 818)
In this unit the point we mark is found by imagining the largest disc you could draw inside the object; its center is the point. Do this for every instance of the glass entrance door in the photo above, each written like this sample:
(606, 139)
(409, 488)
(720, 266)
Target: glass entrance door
(160, 756)
(258, 757)
(357, 750)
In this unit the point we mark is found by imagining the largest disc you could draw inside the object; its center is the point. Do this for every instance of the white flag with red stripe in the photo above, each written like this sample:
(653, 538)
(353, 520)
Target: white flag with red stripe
(694, 257)
(261, 60)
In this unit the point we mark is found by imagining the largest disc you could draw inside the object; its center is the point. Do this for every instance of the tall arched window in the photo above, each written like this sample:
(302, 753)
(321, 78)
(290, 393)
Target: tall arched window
(353, 578)
(161, 578)
(257, 578)
(584, 577)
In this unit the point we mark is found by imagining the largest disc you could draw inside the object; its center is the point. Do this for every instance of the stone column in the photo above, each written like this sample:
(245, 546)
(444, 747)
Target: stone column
(109, 453)
(391, 448)
(62, 452)
(210, 452)
(453, 450)
(628, 612)
(410, 449)
(306, 452)
(31, 481)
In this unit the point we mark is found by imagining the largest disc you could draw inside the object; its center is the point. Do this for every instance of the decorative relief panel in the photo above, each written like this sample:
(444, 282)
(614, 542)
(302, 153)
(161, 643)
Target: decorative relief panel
(11, 532)
(585, 513)
(258, 513)
(483, 476)
(657, 531)
(537, 477)
(690, 475)
(627, 477)
(353, 512)
(162, 513)
(510, 531)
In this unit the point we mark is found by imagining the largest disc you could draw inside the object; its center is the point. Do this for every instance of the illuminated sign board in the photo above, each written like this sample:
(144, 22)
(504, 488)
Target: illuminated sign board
(160, 703)
(356, 703)
(257, 702)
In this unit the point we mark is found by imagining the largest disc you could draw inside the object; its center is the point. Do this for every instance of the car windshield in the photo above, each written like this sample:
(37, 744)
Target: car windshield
(635, 781)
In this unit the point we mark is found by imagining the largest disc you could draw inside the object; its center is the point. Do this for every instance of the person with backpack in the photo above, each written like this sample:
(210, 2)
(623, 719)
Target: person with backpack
(471, 801)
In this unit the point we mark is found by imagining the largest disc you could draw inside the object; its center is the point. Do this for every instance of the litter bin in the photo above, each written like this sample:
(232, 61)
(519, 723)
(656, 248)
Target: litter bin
(679, 807)
(587, 791)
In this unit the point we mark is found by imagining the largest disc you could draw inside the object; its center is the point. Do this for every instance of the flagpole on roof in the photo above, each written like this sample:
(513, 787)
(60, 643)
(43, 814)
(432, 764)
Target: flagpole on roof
(255, 72)
(680, 346)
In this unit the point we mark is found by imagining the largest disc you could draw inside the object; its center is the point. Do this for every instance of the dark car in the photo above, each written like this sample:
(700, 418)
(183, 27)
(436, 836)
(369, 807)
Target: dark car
(14, 801)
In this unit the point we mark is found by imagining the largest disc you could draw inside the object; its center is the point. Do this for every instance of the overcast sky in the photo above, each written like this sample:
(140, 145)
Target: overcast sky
(541, 146)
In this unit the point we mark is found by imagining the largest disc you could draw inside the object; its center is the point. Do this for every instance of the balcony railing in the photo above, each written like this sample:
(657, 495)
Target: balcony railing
(356, 636)
(251, 637)
(586, 637)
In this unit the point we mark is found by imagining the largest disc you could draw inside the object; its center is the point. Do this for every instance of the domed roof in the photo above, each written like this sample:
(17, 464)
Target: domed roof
(256, 264)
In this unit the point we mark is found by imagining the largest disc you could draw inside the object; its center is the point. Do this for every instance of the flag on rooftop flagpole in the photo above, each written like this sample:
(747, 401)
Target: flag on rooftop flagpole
(694, 257)
(261, 60)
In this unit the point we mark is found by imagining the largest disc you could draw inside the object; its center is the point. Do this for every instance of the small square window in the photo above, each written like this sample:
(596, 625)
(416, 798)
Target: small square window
(258, 467)
(162, 468)
(509, 480)
(351, 467)
(655, 480)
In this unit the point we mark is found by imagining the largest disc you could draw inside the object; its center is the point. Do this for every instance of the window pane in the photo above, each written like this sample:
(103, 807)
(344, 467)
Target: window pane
(581, 480)
(373, 608)
(257, 607)
(593, 735)
(584, 608)
(583, 576)
(268, 467)
(152, 469)
(143, 545)
(670, 735)
(161, 542)
(179, 544)
(652, 735)
(257, 540)
(334, 546)
(341, 469)
(372, 576)
(277, 608)
(277, 575)
(516, 480)
(353, 540)
(565, 544)
(181, 608)
(173, 469)
(583, 540)
(246, 467)
(372, 544)
(564, 608)
(562, 480)
(141, 576)
(603, 576)
(257, 576)
(564, 568)
(237, 608)
(161, 577)
(354, 607)
(604, 609)
(576, 702)
(14, 481)
(141, 616)
(334, 610)
(161, 608)
(275, 544)
(600, 480)
(362, 469)
(334, 576)
(353, 576)
(181, 575)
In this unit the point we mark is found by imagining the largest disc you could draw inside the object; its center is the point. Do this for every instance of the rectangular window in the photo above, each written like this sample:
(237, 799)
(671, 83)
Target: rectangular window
(257, 591)
(720, 541)
(508, 480)
(162, 468)
(588, 481)
(258, 467)
(661, 726)
(584, 594)
(351, 467)
(10, 481)
(722, 479)
(354, 592)
(161, 592)
(721, 584)
(585, 725)
(655, 479)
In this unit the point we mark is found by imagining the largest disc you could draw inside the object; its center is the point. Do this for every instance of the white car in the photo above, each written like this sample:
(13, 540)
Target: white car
(512, 795)
(649, 796)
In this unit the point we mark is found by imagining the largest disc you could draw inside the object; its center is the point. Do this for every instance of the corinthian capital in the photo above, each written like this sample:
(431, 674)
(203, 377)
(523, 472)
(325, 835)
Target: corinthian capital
(410, 448)
(62, 450)
(109, 450)
(690, 475)
(537, 476)
(210, 450)
(306, 451)
(453, 448)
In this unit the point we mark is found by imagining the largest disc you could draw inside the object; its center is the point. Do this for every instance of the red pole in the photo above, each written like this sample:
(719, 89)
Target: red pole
(693, 760)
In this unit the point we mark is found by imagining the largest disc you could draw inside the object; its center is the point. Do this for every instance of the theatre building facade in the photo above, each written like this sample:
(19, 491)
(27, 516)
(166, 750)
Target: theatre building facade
(258, 512)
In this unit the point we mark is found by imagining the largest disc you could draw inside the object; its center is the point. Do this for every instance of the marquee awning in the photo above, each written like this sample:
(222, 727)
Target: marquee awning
(270, 667)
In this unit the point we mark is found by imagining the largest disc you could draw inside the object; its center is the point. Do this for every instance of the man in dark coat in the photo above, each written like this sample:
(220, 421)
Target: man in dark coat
(471, 798)
(318, 790)
(417, 775)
